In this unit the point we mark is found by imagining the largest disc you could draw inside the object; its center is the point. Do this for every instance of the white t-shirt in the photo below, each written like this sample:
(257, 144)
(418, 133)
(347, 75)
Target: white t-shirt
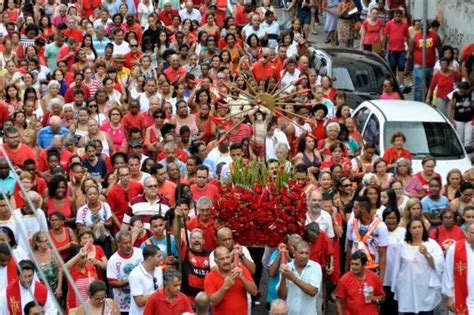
(121, 49)
(119, 268)
(377, 239)
(325, 223)
(142, 283)
(85, 216)
(31, 224)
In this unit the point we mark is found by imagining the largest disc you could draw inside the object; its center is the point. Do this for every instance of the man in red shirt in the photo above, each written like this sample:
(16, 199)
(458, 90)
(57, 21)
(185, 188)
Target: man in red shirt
(168, 300)
(204, 222)
(228, 286)
(350, 299)
(166, 188)
(166, 15)
(202, 187)
(175, 73)
(416, 52)
(396, 31)
(17, 152)
(264, 69)
(72, 31)
(133, 57)
(121, 193)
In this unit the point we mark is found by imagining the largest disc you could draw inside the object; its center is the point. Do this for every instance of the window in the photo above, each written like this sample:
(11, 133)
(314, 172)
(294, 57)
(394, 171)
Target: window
(361, 118)
(426, 138)
(372, 131)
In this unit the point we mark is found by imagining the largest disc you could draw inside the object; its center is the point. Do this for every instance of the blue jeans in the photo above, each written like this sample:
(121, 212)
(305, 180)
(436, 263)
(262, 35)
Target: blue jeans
(418, 75)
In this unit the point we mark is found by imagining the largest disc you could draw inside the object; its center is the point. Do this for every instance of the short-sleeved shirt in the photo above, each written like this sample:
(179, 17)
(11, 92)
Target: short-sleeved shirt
(19, 156)
(209, 191)
(396, 33)
(209, 229)
(302, 303)
(235, 299)
(86, 217)
(349, 289)
(391, 155)
(142, 283)
(143, 208)
(158, 304)
(119, 268)
(162, 245)
(433, 208)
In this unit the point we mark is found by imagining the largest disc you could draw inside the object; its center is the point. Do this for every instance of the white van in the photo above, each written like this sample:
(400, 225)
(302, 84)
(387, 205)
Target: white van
(428, 132)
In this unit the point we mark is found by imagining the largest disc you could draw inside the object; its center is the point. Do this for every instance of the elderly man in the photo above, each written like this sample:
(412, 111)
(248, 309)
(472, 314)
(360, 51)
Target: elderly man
(458, 277)
(171, 151)
(264, 68)
(145, 205)
(169, 299)
(228, 286)
(119, 267)
(278, 307)
(189, 12)
(204, 222)
(72, 30)
(317, 215)
(225, 238)
(175, 73)
(300, 282)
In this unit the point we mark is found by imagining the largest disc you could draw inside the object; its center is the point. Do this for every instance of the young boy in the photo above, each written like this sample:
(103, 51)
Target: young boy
(134, 119)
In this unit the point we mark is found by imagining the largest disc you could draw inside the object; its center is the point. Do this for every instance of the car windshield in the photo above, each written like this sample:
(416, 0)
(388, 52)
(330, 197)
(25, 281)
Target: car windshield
(359, 74)
(426, 138)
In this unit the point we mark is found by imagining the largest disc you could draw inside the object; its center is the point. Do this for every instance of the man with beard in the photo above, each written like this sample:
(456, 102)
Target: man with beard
(17, 152)
(195, 265)
(25, 290)
(227, 286)
(300, 282)
(315, 214)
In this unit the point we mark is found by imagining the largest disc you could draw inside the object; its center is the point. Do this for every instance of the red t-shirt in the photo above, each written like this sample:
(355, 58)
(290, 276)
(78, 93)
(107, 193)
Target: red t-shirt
(76, 34)
(445, 237)
(4, 113)
(391, 155)
(445, 83)
(265, 71)
(396, 33)
(235, 299)
(64, 156)
(210, 191)
(69, 96)
(133, 121)
(321, 250)
(157, 304)
(431, 44)
(63, 51)
(118, 198)
(174, 74)
(209, 229)
(167, 17)
(349, 289)
(19, 156)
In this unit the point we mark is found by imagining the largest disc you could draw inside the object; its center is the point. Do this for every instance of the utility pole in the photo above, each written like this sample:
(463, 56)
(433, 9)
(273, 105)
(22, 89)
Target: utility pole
(423, 49)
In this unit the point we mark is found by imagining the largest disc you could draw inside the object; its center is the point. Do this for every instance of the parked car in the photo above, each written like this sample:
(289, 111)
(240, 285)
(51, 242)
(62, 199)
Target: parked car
(428, 132)
(358, 73)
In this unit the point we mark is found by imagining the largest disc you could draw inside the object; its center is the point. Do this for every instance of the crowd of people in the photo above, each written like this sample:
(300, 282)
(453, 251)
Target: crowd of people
(122, 119)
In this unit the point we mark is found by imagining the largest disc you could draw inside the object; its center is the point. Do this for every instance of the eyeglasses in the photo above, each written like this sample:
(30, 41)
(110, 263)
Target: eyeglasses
(124, 175)
(151, 186)
(346, 185)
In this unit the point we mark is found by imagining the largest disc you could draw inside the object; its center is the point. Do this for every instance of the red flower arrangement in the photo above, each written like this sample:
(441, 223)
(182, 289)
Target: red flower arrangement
(260, 209)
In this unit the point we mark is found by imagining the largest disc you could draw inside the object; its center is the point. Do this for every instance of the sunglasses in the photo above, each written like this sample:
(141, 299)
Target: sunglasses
(133, 46)
(92, 106)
